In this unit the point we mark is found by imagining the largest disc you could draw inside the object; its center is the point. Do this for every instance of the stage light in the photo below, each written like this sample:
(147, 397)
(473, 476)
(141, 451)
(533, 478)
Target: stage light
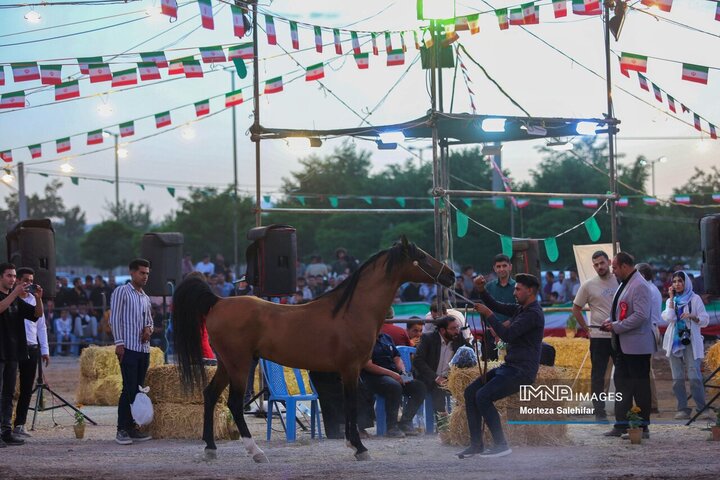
(104, 109)
(188, 132)
(392, 137)
(560, 146)
(315, 142)
(536, 130)
(386, 146)
(298, 144)
(66, 168)
(586, 128)
(33, 17)
(122, 152)
(493, 125)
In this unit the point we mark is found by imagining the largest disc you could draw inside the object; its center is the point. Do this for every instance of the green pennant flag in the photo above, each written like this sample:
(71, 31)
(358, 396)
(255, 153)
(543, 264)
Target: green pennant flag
(142, 187)
(432, 201)
(367, 199)
(75, 180)
(499, 203)
(462, 223)
(171, 191)
(333, 201)
(44, 175)
(300, 199)
(551, 249)
(240, 67)
(266, 198)
(467, 201)
(401, 201)
(506, 243)
(593, 229)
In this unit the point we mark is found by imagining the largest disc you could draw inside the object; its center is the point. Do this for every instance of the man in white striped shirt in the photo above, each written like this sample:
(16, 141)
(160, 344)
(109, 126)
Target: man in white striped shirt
(37, 344)
(132, 326)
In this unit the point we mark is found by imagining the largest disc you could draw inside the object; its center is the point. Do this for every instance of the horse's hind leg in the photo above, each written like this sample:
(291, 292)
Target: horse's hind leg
(238, 383)
(350, 387)
(210, 396)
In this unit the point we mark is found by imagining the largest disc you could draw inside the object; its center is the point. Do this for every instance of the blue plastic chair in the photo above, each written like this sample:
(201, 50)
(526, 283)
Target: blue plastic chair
(275, 380)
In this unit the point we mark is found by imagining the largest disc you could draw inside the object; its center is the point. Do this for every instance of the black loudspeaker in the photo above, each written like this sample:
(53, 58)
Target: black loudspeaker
(526, 257)
(31, 243)
(271, 260)
(165, 252)
(710, 246)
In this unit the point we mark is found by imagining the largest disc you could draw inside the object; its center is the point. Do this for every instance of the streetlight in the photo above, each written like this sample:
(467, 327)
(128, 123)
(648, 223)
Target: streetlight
(117, 171)
(652, 169)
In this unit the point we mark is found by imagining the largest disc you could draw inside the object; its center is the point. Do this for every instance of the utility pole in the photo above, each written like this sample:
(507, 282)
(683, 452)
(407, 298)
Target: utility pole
(235, 181)
(22, 199)
(117, 177)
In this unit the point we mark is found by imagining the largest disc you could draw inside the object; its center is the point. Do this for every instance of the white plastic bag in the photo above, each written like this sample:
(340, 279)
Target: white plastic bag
(142, 408)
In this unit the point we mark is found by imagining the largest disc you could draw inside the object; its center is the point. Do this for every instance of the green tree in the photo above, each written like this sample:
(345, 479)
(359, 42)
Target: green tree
(135, 215)
(110, 244)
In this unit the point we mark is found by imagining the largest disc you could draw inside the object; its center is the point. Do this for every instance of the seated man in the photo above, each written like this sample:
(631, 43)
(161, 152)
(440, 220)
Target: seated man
(434, 314)
(63, 333)
(86, 325)
(398, 334)
(384, 375)
(414, 330)
(432, 359)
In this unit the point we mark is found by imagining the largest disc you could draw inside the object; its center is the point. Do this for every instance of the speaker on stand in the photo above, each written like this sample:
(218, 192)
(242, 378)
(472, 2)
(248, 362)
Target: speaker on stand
(271, 259)
(526, 257)
(31, 243)
(710, 247)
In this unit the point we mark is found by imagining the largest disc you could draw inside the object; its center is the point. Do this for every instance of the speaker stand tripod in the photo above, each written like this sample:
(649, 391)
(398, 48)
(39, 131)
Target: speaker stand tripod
(40, 388)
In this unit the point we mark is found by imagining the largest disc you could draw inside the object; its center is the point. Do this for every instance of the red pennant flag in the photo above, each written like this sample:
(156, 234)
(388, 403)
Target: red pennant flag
(696, 120)
(388, 43)
(336, 39)
(169, 8)
(270, 30)
(643, 82)
(402, 42)
(417, 43)
(318, 39)
(294, 35)
(374, 44)
(206, 13)
(684, 108)
(355, 43)
(671, 103)
(713, 133)
(657, 92)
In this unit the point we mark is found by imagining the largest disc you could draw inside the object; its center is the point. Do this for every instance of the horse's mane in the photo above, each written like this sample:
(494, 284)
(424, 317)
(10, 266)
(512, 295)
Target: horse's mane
(394, 256)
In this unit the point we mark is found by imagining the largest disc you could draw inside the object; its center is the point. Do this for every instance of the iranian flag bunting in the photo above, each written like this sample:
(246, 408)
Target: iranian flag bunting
(67, 90)
(206, 14)
(586, 7)
(650, 201)
(684, 108)
(388, 43)
(664, 5)
(84, 63)
(212, 54)
(238, 21)
(318, 39)
(274, 85)
(417, 42)
(402, 42)
(528, 10)
(396, 57)
(162, 119)
(713, 132)
(244, 51)
(62, 145)
(355, 43)
(375, 49)
(314, 72)
(502, 17)
(233, 98)
(192, 69)
(270, 30)
(127, 129)
(176, 66)
(35, 150)
(671, 103)
(450, 38)
(590, 202)
(148, 71)
(6, 156)
(202, 108)
(2, 75)
(682, 199)
(169, 8)
(336, 40)
(473, 22)
(556, 203)
(522, 202)
(560, 8)
(716, 197)
(124, 77)
(461, 24)
(13, 99)
(717, 11)
(95, 137)
(622, 202)
(696, 121)
(158, 58)
(516, 16)
(100, 72)
(23, 72)
(643, 82)
(695, 73)
(657, 92)
(631, 61)
(51, 74)
(294, 35)
(363, 60)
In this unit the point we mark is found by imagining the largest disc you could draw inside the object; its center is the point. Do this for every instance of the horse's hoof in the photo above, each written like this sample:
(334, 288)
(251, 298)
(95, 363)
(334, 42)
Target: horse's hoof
(207, 455)
(260, 458)
(348, 444)
(362, 456)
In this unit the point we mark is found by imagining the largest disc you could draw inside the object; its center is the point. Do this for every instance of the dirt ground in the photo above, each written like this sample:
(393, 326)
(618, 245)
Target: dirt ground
(673, 451)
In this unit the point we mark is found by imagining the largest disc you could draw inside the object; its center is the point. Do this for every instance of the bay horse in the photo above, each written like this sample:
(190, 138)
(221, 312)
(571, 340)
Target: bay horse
(333, 333)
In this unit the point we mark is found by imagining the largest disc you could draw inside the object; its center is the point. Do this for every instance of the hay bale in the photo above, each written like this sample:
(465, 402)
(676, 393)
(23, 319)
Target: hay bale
(85, 392)
(107, 391)
(712, 358)
(569, 354)
(166, 387)
(185, 421)
(100, 362)
(458, 433)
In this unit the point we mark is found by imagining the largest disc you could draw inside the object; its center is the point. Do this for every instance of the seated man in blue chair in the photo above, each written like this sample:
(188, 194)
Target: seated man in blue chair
(384, 375)
(431, 363)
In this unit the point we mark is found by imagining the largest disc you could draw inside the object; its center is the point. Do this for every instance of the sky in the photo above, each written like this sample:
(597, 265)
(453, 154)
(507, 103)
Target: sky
(547, 82)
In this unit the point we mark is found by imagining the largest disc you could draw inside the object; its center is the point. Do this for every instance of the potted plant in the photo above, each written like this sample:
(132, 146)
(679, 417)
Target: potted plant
(716, 427)
(79, 426)
(501, 348)
(635, 425)
(571, 326)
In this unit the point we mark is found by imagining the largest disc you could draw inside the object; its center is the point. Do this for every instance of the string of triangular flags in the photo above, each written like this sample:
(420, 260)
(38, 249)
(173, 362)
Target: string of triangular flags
(591, 227)
(466, 78)
(624, 201)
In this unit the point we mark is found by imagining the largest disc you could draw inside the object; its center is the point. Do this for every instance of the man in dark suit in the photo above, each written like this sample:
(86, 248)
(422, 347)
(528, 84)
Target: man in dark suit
(431, 362)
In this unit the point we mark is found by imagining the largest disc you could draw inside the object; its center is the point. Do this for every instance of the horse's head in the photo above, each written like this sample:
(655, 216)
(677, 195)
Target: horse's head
(422, 267)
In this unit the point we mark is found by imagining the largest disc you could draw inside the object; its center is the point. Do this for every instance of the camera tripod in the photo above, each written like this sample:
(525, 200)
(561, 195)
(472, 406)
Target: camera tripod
(40, 388)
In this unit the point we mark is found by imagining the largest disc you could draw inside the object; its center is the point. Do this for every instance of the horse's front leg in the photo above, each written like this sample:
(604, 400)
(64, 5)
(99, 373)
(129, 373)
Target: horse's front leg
(210, 397)
(350, 387)
(238, 384)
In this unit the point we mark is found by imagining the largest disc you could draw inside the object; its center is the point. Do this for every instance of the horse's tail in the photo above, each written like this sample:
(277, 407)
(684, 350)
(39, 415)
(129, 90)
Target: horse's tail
(192, 300)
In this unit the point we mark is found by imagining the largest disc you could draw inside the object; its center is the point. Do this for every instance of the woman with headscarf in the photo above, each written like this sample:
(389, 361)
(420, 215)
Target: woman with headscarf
(683, 342)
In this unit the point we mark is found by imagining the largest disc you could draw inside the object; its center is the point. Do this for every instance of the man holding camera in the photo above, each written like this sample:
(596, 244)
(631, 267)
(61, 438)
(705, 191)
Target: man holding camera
(13, 343)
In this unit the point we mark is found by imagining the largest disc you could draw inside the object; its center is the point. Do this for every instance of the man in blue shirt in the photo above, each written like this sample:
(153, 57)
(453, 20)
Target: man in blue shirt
(501, 289)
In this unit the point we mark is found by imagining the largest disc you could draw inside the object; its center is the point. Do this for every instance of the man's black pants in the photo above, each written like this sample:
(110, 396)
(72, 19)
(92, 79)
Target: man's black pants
(28, 369)
(8, 372)
(133, 368)
(632, 380)
(600, 352)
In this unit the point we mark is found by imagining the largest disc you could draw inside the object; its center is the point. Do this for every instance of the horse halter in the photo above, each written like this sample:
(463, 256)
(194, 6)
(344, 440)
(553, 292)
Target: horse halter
(435, 278)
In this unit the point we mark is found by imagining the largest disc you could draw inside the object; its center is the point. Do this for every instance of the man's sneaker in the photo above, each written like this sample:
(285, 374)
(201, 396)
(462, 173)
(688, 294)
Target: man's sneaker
(408, 429)
(645, 435)
(470, 451)
(19, 431)
(615, 432)
(682, 415)
(11, 439)
(2, 444)
(138, 436)
(496, 451)
(601, 417)
(395, 432)
(123, 438)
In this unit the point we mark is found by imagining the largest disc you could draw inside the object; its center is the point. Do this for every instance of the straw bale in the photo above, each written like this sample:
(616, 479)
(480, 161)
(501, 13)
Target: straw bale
(185, 421)
(108, 390)
(569, 353)
(85, 392)
(712, 357)
(100, 362)
(165, 386)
